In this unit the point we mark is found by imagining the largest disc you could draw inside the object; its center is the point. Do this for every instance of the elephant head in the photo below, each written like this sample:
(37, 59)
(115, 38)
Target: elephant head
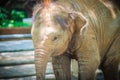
(53, 26)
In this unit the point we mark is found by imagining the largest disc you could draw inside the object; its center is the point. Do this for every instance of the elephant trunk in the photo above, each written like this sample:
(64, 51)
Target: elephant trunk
(41, 59)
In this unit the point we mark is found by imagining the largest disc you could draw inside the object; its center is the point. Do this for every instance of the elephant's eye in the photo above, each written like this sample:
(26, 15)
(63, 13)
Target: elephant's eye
(56, 38)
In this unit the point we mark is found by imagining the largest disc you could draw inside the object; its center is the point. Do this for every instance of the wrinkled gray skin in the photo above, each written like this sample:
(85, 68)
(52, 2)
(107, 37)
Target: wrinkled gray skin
(85, 30)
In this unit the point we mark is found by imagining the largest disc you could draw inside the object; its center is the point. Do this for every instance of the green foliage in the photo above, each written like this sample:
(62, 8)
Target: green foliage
(12, 18)
(17, 15)
(3, 13)
(12, 23)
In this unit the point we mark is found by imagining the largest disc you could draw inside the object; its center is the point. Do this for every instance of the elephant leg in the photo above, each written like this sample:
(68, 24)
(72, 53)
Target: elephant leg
(87, 70)
(110, 67)
(61, 66)
(88, 63)
(111, 62)
(110, 70)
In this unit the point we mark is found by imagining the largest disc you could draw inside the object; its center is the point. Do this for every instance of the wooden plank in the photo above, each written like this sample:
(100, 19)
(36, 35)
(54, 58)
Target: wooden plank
(15, 37)
(21, 71)
(17, 71)
(16, 58)
(17, 45)
(48, 77)
(15, 54)
(16, 30)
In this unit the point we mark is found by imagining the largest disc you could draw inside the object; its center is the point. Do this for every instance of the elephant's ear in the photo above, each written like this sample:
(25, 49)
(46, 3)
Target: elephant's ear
(111, 5)
(81, 22)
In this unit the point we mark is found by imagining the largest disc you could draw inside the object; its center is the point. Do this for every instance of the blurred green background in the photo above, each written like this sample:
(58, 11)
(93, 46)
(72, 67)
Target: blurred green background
(16, 13)
(13, 18)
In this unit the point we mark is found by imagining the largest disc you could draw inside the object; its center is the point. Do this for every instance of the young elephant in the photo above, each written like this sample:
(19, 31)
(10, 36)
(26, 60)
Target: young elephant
(84, 30)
